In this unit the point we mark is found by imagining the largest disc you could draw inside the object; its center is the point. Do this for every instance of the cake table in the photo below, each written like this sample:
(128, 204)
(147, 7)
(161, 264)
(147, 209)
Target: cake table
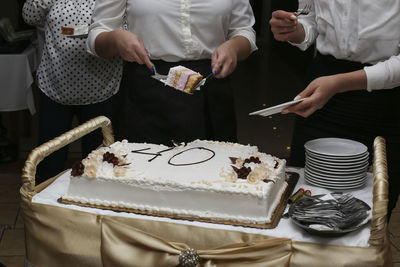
(67, 235)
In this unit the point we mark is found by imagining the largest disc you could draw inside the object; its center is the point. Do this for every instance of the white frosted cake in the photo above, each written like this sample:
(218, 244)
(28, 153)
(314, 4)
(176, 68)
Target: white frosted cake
(204, 180)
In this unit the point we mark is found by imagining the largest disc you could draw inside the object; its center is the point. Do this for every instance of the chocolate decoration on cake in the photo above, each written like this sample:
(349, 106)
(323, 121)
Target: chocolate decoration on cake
(243, 172)
(268, 181)
(276, 164)
(191, 163)
(110, 158)
(77, 168)
(233, 160)
(252, 159)
(121, 165)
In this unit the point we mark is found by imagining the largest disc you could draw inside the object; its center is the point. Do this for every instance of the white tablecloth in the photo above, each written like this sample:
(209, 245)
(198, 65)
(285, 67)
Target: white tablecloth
(16, 80)
(286, 227)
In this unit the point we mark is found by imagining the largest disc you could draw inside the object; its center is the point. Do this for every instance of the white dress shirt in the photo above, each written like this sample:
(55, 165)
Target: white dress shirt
(176, 30)
(67, 73)
(366, 31)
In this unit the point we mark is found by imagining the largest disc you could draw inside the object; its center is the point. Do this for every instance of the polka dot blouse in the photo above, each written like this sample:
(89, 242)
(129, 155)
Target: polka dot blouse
(67, 73)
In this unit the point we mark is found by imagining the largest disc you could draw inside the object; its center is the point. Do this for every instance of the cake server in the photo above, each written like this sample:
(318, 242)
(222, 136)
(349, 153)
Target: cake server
(160, 77)
(203, 81)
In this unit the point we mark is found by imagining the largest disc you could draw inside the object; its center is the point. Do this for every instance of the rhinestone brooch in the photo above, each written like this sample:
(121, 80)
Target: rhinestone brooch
(189, 258)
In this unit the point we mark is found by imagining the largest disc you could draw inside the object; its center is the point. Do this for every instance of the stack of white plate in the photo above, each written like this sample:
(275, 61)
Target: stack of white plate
(336, 163)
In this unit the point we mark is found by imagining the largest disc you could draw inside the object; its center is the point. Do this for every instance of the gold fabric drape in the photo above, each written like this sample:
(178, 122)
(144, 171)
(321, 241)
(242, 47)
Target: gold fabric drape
(63, 237)
(122, 244)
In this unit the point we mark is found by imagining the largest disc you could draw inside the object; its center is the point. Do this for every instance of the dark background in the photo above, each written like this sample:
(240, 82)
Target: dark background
(271, 75)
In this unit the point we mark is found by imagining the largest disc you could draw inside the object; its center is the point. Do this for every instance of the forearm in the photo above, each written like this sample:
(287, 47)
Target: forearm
(241, 46)
(351, 81)
(105, 44)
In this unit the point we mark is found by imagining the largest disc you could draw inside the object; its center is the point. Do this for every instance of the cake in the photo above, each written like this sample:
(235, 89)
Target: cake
(183, 79)
(75, 30)
(201, 180)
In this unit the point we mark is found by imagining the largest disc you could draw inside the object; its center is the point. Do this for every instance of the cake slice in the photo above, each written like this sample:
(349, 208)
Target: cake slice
(75, 30)
(183, 79)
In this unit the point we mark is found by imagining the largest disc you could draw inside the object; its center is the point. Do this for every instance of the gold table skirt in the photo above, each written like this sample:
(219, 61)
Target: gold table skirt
(57, 236)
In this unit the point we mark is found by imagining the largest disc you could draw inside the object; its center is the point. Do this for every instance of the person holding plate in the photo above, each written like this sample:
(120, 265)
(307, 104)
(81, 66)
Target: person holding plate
(352, 87)
(71, 81)
(208, 36)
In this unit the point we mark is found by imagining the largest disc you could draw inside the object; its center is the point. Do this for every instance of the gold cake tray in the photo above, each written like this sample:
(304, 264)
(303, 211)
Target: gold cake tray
(86, 240)
(291, 179)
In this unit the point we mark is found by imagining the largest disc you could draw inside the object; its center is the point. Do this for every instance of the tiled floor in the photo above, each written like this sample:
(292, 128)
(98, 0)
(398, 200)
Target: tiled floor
(12, 245)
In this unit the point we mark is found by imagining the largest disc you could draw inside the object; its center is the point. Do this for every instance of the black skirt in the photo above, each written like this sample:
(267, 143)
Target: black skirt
(357, 115)
(148, 111)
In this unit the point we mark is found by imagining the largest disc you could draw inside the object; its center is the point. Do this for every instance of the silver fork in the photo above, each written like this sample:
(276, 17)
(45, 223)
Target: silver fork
(304, 11)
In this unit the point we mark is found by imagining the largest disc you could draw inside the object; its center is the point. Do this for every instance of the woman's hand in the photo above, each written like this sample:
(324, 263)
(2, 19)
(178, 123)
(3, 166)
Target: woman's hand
(131, 48)
(223, 61)
(319, 91)
(285, 28)
(225, 57)
(124, 43)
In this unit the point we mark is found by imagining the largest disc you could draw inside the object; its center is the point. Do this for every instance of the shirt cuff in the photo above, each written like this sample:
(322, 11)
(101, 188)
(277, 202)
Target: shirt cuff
(306, 42)
(249, 35)
(374, 77)
(91, 41)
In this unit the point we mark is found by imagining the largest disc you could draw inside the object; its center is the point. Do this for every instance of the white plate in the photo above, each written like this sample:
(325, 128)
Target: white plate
(335, 147)
(338, 163)
(339, 186)
(275, 109)
(334, 187)
(336, 181)
(334, 176)
(337, 158)
(330, 170)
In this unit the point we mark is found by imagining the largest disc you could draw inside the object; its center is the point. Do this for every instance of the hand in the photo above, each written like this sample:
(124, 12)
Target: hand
(224, 60)
(285, 28)
(131, 48)
(319, 91)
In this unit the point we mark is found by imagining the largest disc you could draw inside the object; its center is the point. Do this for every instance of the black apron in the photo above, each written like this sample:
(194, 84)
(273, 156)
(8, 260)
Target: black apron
(148, 111)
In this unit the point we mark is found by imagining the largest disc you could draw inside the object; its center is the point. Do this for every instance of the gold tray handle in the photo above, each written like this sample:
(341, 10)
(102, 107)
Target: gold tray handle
(42, 151)
(380, 195)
